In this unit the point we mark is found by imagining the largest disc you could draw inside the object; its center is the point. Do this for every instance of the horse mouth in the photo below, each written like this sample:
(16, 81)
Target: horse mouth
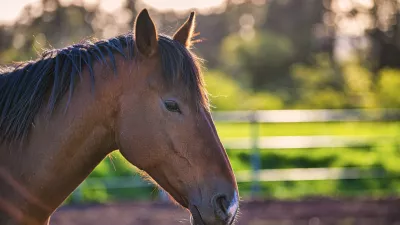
(232, 220)
(195, 217)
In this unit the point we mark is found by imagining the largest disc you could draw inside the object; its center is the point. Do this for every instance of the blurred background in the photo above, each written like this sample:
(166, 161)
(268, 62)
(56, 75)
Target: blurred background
(305, 97)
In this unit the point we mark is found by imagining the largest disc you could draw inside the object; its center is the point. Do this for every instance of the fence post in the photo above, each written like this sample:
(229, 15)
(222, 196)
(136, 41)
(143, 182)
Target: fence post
(255, 154)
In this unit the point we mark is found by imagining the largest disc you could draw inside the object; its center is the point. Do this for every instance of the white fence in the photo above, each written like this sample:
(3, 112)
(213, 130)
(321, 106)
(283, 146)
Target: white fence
(256, 142)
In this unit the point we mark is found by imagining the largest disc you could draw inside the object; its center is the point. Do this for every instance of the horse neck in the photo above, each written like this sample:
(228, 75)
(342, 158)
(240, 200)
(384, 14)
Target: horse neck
(59, 153)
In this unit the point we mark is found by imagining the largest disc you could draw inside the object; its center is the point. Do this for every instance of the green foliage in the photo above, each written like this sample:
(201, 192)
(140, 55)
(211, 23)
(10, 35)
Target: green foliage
(332, 188)
(358, 86)
(96, 193)
(389, 88)
(318, 85)
(265, 47)
(259, 60)
(227, 94)
(350, 86)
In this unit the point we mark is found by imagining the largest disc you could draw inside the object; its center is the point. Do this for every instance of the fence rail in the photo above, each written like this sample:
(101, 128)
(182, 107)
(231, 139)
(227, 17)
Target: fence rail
(299, 142)
(307, 116)
(302, 174)
(255, 143)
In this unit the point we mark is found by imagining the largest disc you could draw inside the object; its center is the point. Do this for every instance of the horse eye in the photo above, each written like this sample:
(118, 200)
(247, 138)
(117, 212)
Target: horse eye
(172, 106)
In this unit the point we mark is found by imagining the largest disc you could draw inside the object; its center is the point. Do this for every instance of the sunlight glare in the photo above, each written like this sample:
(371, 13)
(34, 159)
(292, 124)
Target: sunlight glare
(181, 5)
(10, 11)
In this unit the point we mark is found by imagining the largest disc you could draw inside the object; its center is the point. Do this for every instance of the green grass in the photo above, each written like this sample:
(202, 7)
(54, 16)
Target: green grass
(374, 156)
(382, 156)
(332, 188)
(383, 153)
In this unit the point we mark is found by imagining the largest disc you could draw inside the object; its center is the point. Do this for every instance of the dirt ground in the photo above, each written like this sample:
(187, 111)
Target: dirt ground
(305, 212)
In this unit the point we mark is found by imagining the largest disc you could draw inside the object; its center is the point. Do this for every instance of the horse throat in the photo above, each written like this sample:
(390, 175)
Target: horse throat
(58, 155)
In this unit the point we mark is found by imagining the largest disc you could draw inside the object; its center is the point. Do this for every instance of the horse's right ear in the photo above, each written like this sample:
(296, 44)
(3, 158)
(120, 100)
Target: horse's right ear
(146, 37)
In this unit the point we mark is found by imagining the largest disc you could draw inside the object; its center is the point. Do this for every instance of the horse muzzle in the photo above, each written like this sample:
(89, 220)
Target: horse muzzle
(221, 210)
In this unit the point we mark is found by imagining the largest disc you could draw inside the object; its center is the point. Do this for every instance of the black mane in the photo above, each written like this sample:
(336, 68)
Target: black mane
(24, 87)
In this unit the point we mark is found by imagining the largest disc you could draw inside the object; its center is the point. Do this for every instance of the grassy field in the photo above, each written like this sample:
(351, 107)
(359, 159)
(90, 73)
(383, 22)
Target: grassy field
(383, 153)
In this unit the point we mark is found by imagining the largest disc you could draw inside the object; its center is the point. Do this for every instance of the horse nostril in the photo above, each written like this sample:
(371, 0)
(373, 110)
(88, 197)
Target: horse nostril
(223, 203)
(221, 206)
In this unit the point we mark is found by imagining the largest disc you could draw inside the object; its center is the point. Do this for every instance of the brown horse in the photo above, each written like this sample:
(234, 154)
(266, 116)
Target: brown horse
(141, 93)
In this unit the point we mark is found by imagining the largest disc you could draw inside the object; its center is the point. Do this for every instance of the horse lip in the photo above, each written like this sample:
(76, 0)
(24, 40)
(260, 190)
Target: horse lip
(233, 218)
(196, 214)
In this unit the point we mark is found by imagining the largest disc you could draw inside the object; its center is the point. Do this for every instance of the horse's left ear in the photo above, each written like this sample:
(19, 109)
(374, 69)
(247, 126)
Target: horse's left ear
(185, 32)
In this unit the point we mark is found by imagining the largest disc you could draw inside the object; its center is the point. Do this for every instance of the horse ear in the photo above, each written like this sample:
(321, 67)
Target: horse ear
(185, 32)
(146, 37)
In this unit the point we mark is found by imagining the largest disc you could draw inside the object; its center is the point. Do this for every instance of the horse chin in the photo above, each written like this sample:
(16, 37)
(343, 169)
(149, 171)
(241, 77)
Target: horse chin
(195, 217)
